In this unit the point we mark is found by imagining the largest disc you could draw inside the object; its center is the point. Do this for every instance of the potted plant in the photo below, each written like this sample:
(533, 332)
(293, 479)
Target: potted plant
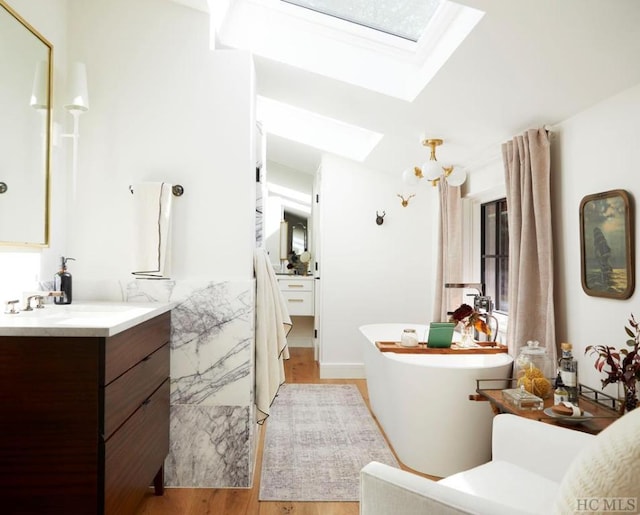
(621, 366)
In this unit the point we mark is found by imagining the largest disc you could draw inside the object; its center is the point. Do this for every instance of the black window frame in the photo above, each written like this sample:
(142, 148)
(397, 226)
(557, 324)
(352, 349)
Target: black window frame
(499, 237)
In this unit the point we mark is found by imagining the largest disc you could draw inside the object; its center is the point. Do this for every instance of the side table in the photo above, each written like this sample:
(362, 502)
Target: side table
(604, 408)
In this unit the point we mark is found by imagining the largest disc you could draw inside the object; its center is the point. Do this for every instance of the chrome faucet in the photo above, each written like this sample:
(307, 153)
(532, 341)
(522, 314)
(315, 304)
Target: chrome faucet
(27, 304)
(483, 303)
(40, 298)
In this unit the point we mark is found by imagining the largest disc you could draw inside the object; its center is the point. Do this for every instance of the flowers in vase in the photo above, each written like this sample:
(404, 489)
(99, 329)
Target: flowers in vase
(470, 319)
(621, 365)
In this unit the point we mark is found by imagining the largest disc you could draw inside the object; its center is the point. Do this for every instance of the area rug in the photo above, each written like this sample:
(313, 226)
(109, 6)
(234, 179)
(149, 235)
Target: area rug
(318, 438)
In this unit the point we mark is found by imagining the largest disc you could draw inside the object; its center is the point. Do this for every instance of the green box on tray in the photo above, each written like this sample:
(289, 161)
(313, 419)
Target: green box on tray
(440, 334)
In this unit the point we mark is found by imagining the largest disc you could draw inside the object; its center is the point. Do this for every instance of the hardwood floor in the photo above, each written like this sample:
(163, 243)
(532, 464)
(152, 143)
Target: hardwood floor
(301, 368)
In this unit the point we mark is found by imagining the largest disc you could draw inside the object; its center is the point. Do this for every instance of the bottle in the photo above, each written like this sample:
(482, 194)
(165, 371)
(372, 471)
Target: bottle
(63, 282)
(560, 391)
(568, 368)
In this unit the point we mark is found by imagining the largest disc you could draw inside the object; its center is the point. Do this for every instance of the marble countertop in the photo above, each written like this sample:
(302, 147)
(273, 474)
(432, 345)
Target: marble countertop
(101, 319)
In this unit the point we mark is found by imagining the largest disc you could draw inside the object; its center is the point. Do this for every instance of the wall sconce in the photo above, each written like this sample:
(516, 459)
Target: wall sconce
(77, 103)
(434, 171)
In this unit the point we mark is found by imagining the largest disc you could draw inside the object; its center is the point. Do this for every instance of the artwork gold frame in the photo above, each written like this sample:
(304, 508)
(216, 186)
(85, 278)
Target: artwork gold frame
(607, 254)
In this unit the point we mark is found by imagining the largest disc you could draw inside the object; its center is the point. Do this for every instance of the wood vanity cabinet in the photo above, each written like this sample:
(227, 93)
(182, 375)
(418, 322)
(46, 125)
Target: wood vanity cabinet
(84, 421)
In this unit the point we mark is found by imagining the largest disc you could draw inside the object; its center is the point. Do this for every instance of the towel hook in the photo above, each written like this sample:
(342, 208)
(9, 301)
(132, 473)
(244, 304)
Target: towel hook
(176, 189)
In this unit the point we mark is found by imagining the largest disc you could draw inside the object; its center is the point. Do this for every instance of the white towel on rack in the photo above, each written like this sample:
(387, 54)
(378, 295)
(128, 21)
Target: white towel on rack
(152, 229)
(273, 323)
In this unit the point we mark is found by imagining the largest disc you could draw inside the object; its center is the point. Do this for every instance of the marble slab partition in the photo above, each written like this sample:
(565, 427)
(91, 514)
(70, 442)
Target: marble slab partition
(212, 359)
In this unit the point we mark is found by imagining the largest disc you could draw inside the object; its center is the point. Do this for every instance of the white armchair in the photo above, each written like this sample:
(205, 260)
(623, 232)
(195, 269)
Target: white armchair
(536, 468)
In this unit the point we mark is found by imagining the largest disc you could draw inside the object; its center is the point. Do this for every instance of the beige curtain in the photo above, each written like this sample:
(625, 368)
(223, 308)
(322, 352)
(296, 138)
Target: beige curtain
(449, 258)
(528, 174)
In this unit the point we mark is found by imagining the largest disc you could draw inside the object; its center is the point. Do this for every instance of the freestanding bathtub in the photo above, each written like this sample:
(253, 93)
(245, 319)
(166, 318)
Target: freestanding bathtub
(422, 402)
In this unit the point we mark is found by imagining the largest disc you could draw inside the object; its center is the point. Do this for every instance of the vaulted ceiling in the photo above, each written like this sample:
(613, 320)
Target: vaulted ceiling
(526, 63)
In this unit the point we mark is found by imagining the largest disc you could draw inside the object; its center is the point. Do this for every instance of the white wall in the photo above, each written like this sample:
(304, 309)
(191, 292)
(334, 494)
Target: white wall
(370, 273)
(163, 108)
(595, 151)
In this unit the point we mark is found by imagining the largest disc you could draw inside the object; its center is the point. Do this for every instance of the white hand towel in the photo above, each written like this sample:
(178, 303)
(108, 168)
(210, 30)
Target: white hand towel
(152, 229)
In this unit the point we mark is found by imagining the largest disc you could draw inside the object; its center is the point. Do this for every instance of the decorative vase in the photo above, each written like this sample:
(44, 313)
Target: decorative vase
(467, 337)
(628, 397)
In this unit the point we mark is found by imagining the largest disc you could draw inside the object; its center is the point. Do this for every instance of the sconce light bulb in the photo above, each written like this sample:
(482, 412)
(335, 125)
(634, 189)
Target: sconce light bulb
(456, 176)
(432, 169)
(410, 177)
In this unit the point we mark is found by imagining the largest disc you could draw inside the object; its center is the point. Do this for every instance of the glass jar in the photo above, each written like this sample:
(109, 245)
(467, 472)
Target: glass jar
(409, 338)
(533, 370)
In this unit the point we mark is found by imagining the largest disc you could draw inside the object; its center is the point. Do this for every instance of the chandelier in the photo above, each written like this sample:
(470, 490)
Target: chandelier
(433, 170)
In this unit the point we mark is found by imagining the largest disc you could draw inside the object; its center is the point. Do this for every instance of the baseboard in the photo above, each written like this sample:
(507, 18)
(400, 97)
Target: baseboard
(342, 371)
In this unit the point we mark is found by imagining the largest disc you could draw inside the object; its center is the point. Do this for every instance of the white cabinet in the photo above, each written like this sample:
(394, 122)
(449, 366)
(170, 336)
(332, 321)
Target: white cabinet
(298, 294)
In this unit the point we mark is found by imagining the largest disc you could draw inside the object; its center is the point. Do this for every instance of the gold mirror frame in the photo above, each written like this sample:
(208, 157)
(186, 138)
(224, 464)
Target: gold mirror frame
(35, 204)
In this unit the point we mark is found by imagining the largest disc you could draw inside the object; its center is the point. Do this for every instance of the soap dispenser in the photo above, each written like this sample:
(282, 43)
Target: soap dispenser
(62, 282)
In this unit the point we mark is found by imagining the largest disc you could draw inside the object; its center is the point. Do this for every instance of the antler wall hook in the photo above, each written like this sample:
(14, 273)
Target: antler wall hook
(405, 201)
(380, 217)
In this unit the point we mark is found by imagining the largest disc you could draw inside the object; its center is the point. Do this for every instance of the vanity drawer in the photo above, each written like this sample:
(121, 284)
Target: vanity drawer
(127, 392)
(135, 453)
(299, 303)
(126, 349)
(287, 285)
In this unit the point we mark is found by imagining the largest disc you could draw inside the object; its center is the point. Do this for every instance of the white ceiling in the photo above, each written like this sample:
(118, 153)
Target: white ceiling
(527, 63)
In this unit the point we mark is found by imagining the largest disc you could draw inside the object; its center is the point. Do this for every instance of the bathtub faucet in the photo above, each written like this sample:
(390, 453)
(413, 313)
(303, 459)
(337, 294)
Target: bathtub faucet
(483, 303)
(493, 328)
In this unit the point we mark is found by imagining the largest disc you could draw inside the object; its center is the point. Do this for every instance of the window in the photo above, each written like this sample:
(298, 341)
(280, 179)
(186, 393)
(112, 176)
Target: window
(407, 19)
(494, 260)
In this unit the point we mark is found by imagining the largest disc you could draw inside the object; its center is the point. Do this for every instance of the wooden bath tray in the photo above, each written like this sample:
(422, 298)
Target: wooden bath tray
(487, 348)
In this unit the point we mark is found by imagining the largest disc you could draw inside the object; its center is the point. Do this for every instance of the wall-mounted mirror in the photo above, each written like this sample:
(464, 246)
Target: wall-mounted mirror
(25, 122)
(297, 237)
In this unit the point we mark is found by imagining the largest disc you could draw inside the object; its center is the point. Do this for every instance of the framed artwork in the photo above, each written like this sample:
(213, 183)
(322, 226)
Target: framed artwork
(606, 245)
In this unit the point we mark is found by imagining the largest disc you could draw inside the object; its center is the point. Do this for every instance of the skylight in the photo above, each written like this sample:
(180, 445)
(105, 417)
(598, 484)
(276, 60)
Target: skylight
(317, 131)
(350, 52)
(407, 19)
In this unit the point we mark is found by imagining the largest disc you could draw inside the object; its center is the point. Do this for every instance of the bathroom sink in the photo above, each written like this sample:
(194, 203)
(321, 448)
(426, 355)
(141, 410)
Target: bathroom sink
(79, 310)
(79, 319)
(80, 314)
(95, 308)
